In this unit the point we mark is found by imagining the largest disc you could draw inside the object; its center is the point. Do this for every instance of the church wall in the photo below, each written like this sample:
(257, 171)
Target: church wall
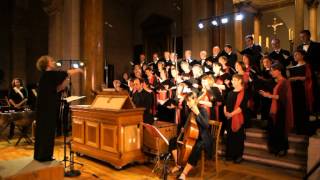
(159, 7)
(23, 38)
(194, 38)
(119, 37)
(5, 44)
(282, 31)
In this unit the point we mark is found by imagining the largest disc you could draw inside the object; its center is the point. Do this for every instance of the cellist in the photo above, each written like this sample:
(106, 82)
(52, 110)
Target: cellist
(203, 140)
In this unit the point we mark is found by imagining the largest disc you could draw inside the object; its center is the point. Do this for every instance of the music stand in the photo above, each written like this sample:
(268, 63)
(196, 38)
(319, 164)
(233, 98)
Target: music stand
(65, 103)
(154, 131)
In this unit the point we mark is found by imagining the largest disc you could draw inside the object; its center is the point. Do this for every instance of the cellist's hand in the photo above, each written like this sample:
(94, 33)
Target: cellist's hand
(195, 109)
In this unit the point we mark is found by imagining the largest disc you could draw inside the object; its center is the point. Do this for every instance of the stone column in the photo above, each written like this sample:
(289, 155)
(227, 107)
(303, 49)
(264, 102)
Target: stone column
(71, 40)
(299, 23)
(256, 26)
(54, 8)
(238, 32)
(93, 46)
(194, 38)
(313, 19)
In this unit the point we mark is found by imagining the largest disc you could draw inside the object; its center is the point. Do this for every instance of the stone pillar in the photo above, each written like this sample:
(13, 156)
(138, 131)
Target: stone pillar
(219, 31)
(238, 31)
(299, 23)
(93, 46)
(71, 40)
(54, 8)
(313, 19)
(256, 27)
(194, 38)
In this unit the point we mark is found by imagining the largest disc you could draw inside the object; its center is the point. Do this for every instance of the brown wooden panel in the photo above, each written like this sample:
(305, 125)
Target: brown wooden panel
(78, 130)
(92, 132)
(131, 138)
(108, 137)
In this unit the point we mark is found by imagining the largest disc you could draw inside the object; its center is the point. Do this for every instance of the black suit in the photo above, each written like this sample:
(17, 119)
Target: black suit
(232, 58)
(144, 99)
(313, 55)
(283, 56)
(255, 53)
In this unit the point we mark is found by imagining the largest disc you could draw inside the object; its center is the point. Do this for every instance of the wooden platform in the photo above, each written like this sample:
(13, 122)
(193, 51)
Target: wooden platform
(29, 169)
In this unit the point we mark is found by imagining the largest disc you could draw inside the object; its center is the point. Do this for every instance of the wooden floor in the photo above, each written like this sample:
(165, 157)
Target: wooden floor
(94, 169)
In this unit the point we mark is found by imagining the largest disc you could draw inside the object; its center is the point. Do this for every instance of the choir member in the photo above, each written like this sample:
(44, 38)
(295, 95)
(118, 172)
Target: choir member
(232, 56)
(312, 57)
(283, 56)
(142, 98)
(253, 50)
(281, 112)
(215, 54)
(302, 91)
(17, 97)
(235, 110)
(266, 83)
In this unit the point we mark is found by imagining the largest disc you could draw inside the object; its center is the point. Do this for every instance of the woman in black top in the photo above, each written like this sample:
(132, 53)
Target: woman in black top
(51, 83)
(17, 97)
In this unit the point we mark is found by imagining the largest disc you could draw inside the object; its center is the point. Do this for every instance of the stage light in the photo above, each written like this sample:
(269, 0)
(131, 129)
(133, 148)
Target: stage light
(75, 65)
(224, 20)
(200, 25)
(214, 22)
(58, 64)
(239, 17)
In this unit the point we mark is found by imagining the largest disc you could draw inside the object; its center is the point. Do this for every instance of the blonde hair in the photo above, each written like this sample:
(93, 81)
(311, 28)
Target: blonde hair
(42, 63)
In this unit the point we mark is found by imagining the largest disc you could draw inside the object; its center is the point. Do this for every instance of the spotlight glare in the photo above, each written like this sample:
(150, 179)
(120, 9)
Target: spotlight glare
(58, 64)
(214, 22)
(75, 65)
(201, 25)
(239, 17)
(224, 20)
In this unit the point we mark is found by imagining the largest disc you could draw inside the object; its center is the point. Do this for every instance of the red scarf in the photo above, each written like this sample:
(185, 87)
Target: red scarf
(288, 108)
(238, 119)
(274, 104)
(309, 89)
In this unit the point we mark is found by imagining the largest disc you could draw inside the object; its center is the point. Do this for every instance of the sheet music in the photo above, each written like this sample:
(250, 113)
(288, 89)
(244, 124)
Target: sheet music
(73, 98)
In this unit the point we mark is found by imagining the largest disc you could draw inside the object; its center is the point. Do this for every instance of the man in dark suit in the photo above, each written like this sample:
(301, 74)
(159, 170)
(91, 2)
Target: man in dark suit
(142, 98)
(279, 54)
(232, 56)
(216, 53)
(312, 49)
(253, 50)
(312, 56)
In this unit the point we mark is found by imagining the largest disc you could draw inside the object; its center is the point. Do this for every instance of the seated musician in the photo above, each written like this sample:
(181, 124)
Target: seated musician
(142, 98)
(203, 140)
(18, 97)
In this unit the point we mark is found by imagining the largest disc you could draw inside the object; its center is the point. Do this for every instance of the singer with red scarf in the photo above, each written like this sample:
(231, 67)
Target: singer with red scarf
(235, 111)
(281, 112)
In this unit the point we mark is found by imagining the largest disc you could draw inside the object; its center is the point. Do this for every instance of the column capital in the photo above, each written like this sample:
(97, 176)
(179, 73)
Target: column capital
(258, 14)
(312, 3)
(52, 7)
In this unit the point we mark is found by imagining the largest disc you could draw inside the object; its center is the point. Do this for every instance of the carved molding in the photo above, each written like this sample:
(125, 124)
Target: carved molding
(52, 7)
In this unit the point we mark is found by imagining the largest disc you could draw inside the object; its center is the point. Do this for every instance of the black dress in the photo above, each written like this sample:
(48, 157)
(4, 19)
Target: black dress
(47, 113)
(301, 116)
(235, 140)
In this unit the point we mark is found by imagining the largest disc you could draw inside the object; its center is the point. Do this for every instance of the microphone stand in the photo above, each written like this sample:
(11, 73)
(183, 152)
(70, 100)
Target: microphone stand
(65, 116)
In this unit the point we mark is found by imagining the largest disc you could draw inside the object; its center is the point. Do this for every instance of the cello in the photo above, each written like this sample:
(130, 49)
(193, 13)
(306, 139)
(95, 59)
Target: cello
(190, 136)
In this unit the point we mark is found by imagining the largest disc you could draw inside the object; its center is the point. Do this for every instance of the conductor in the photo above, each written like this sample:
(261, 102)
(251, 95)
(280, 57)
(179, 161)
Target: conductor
(50, 84)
